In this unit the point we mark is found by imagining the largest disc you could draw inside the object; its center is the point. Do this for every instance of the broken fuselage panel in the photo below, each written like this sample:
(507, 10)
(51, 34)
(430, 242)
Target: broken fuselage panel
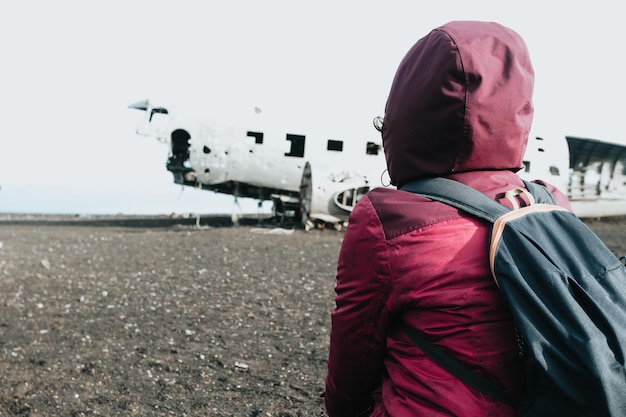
(241, 162)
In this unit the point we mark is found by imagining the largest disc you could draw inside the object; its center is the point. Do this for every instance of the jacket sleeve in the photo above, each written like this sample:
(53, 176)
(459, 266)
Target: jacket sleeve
(359, 320)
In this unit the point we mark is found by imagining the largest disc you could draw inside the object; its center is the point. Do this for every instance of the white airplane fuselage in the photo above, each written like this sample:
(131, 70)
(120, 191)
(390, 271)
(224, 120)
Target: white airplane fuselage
(319, 178)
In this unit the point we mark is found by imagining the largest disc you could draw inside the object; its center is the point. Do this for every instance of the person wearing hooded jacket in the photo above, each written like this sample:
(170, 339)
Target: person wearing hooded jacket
(460, 107)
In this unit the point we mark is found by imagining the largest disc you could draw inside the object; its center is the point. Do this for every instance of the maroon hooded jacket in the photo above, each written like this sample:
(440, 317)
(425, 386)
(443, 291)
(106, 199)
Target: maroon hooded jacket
(460, 106)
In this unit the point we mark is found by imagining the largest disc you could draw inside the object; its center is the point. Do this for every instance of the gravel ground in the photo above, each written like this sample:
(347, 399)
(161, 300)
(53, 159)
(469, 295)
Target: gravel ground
(156, 317)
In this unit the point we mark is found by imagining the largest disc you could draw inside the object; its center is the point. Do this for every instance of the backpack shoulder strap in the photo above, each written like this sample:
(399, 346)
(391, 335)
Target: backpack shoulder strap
(541, 194)
(470, 200)
(456, 368)
(478, 204)
(458, 195)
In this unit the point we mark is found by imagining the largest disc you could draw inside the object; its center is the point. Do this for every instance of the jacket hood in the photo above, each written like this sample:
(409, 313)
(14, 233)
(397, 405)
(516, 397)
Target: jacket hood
(461, 100)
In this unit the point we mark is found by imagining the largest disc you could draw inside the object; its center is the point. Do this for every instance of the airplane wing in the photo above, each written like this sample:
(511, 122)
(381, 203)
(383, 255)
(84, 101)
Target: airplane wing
(597, 179)
(584, 152)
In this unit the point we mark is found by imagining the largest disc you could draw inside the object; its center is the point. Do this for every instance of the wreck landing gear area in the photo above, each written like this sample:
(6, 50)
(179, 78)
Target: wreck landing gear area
(151, 317)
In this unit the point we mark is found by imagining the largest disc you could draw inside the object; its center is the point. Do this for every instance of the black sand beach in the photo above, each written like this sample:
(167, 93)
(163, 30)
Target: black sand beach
(108, 316)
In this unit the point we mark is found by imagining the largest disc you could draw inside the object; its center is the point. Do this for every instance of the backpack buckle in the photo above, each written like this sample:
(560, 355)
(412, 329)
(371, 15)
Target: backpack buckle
(511, 194)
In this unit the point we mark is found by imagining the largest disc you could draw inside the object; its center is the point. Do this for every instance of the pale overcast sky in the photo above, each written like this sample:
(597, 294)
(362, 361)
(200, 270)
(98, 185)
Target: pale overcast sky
(71, 68)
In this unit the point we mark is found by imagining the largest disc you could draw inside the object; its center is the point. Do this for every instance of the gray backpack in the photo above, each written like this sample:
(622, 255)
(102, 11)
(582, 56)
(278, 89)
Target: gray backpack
(567, 292)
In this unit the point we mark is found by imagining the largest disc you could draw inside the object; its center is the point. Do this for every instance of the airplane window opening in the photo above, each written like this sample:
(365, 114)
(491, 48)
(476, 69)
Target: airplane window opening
(335, 145)
(526, 166)
(541, 150)
(180, 141)
(258, 137)
(206, 149)
(345, 198)
(554, 170)
(207, 170)
(179, 147)
(297, 145)
(372, 148)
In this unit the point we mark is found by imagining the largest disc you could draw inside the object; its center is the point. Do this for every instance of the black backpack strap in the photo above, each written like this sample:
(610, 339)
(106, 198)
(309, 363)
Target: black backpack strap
(542, 194)
(458, 195)
(470, 200)
(456, 368)
(478, 204)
